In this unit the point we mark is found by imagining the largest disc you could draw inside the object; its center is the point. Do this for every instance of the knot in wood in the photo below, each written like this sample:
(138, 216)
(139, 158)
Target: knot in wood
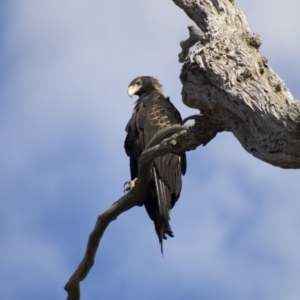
(253, 40)
(246, 74)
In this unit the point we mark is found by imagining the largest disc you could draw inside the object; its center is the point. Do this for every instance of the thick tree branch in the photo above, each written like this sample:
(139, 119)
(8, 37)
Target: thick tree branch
(175, 139)
(228, 78)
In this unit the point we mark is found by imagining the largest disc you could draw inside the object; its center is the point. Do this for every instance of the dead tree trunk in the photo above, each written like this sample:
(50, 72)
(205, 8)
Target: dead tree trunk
(229, 81)
(227, 78)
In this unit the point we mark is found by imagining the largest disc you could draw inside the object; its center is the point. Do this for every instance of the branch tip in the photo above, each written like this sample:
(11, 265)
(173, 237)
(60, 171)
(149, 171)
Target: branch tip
(196, 35)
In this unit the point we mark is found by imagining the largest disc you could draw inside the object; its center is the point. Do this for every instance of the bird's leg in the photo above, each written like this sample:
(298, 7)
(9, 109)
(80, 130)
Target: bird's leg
(131, 184)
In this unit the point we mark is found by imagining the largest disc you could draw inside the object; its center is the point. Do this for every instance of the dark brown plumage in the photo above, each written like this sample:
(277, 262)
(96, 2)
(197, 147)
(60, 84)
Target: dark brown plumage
(151, 113)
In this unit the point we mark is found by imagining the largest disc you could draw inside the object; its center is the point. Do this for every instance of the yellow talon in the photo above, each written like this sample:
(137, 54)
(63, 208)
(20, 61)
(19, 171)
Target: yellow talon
(131, 184)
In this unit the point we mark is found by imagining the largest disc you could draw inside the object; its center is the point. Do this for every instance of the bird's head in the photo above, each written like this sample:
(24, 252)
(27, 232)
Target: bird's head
(143, 84)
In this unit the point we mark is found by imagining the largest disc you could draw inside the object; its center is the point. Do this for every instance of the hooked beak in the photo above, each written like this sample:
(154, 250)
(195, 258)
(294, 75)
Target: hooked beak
(132, 89)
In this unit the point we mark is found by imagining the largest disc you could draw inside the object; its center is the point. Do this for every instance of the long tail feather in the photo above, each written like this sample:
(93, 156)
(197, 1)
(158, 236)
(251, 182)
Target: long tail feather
(161, 220)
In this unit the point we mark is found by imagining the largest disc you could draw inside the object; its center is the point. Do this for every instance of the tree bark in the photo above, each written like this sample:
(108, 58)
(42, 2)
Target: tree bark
(227, 78)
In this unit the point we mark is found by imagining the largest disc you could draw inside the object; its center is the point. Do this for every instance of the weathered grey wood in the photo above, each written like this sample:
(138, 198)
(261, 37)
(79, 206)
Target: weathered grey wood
(227, 77)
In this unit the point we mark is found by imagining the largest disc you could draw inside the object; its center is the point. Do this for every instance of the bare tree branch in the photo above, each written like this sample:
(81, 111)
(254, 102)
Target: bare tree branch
(167, 140)
(175, 139)
(228, 78)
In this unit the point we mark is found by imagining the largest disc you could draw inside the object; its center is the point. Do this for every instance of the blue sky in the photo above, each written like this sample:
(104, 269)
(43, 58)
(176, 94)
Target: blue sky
(65, 68)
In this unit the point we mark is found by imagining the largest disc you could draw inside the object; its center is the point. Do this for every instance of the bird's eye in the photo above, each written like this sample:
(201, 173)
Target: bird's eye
(139, 82)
